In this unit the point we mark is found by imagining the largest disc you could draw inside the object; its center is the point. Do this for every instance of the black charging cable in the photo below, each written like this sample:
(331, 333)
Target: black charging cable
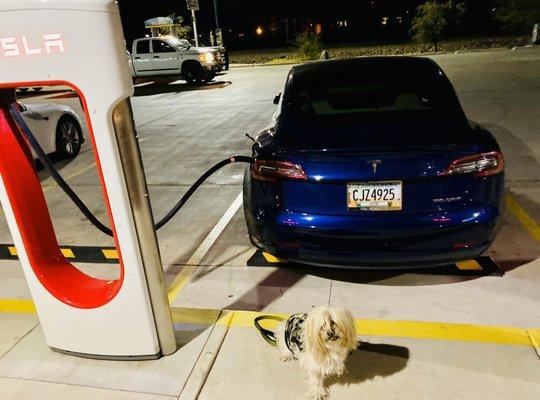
(200, 181)
(42, 156)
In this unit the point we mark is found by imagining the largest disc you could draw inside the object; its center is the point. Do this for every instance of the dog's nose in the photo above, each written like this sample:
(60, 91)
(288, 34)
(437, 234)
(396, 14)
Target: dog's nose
(332, 336)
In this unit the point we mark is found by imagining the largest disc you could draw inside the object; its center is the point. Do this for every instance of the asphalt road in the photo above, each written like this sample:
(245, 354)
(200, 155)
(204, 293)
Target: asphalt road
(183, 131)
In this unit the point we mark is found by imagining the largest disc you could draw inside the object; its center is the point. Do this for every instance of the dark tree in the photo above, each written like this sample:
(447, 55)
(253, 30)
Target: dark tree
(518, 15)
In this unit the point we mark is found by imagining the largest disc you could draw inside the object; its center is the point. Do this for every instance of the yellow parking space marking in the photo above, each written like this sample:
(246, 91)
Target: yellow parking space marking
(273, 259)
(194, 316)
(414, 329)
(185, 275)
(525, 219)
(19, 306)
(110, 254)
(469, 265)
(180, 282)
(443, 331)
(54, 185)
(13, 251)
(68, 253)
(534, 335)
(245, 319)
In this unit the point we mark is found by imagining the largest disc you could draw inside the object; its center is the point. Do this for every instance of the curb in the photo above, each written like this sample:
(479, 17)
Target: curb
(463, 51)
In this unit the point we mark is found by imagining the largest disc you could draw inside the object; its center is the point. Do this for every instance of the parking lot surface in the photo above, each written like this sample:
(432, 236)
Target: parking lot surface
(473, 334)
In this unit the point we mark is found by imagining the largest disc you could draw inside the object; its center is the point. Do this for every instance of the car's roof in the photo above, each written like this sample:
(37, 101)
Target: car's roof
(397, 64)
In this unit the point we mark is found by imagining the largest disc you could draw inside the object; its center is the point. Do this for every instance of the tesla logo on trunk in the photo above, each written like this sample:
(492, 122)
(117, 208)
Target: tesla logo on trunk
(375, 164)
(21, 46)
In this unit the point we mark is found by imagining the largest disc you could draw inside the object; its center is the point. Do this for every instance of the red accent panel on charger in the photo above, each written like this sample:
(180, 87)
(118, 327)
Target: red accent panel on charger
(56, 274)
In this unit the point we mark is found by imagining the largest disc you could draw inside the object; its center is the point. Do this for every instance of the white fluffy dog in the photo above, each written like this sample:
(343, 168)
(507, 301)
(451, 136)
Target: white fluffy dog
(321, 342)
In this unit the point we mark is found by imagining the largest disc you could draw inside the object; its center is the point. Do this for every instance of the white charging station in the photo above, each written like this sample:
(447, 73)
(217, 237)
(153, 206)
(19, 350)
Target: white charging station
(80, 43)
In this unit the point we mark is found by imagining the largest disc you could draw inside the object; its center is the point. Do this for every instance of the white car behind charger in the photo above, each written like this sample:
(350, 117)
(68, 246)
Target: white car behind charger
(57, 128)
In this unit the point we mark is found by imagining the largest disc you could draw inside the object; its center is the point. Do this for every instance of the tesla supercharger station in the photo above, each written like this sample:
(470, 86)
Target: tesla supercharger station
(80, 43)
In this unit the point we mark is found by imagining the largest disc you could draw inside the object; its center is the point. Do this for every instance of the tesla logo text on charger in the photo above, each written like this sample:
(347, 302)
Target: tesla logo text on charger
(22, 46)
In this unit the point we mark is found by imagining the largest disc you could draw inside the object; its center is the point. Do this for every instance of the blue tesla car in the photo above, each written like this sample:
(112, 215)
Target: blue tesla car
(372, 162)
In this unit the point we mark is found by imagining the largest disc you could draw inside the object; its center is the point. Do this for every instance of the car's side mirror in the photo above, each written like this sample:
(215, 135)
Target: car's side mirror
(277, 98)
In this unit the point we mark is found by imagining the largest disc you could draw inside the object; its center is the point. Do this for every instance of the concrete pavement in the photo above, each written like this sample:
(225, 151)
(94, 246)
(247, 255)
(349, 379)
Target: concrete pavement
(182, 133)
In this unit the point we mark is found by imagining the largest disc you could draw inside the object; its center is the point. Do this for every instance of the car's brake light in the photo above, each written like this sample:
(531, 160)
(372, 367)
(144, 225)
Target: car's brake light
(272, 171)
(483, 164)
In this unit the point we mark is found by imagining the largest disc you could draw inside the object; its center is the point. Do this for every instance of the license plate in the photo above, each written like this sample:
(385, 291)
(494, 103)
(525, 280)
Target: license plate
(375, 196)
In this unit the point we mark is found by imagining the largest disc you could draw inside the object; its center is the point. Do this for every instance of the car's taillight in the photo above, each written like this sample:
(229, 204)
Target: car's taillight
(483, 164)
(272, 171)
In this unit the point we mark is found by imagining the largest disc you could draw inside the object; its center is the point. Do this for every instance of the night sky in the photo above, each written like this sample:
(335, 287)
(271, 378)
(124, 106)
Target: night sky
(238, 16)
(241, 15)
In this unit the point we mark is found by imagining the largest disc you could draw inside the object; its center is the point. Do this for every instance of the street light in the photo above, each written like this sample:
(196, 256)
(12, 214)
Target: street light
(259, 31)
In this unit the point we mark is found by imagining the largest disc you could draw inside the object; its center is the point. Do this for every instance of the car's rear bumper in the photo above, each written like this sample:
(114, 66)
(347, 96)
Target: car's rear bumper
(392, 242)
(376, 260)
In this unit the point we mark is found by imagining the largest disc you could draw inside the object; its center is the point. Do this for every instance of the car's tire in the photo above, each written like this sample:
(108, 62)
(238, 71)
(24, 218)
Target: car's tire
(194, 75)
(69, 138)
(24, 89)
(37, 89)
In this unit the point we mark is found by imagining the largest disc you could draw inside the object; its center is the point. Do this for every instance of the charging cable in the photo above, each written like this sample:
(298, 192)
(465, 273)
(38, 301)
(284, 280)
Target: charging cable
(42, 156)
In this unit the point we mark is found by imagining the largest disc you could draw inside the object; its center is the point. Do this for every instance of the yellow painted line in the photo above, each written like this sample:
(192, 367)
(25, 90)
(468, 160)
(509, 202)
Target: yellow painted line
(194, 316)
(469, 265)
(13, 251)
(20, 306)
(55, 185)
(185, 275)
(180, 282)
(226, 318)
(415, 329)
(68, 253)
(245, 319)
(74, 175)
(525, 219)
(273, 259)
(442, 331)
(110, 254)
(534, 335)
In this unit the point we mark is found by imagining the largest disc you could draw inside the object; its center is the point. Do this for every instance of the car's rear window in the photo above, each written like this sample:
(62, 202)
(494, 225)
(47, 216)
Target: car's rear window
(329, 103)
(371, 88)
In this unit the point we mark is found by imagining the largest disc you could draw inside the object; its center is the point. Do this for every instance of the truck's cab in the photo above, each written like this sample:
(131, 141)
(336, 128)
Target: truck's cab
(169, 56)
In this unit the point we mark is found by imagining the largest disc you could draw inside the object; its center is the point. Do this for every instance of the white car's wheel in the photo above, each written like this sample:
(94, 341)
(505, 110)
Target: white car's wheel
(69, 137)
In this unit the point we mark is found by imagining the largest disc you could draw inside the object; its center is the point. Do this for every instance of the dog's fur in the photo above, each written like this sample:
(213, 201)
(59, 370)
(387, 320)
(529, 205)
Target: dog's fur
(329, 335)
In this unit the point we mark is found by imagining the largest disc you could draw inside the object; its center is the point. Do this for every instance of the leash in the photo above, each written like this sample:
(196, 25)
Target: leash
(268, 335)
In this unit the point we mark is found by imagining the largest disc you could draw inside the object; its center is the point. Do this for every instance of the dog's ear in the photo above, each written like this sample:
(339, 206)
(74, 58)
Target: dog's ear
(314, 340)
(345, 319)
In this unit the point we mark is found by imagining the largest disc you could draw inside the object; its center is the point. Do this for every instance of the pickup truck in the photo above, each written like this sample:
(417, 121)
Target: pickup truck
(162, 57)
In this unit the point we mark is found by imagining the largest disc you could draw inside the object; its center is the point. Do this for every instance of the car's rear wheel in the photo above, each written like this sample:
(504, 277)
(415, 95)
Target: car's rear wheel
(69, 137)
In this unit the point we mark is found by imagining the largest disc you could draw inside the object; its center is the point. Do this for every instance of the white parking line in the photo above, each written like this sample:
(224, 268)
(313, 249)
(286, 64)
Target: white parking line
(185, 275)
